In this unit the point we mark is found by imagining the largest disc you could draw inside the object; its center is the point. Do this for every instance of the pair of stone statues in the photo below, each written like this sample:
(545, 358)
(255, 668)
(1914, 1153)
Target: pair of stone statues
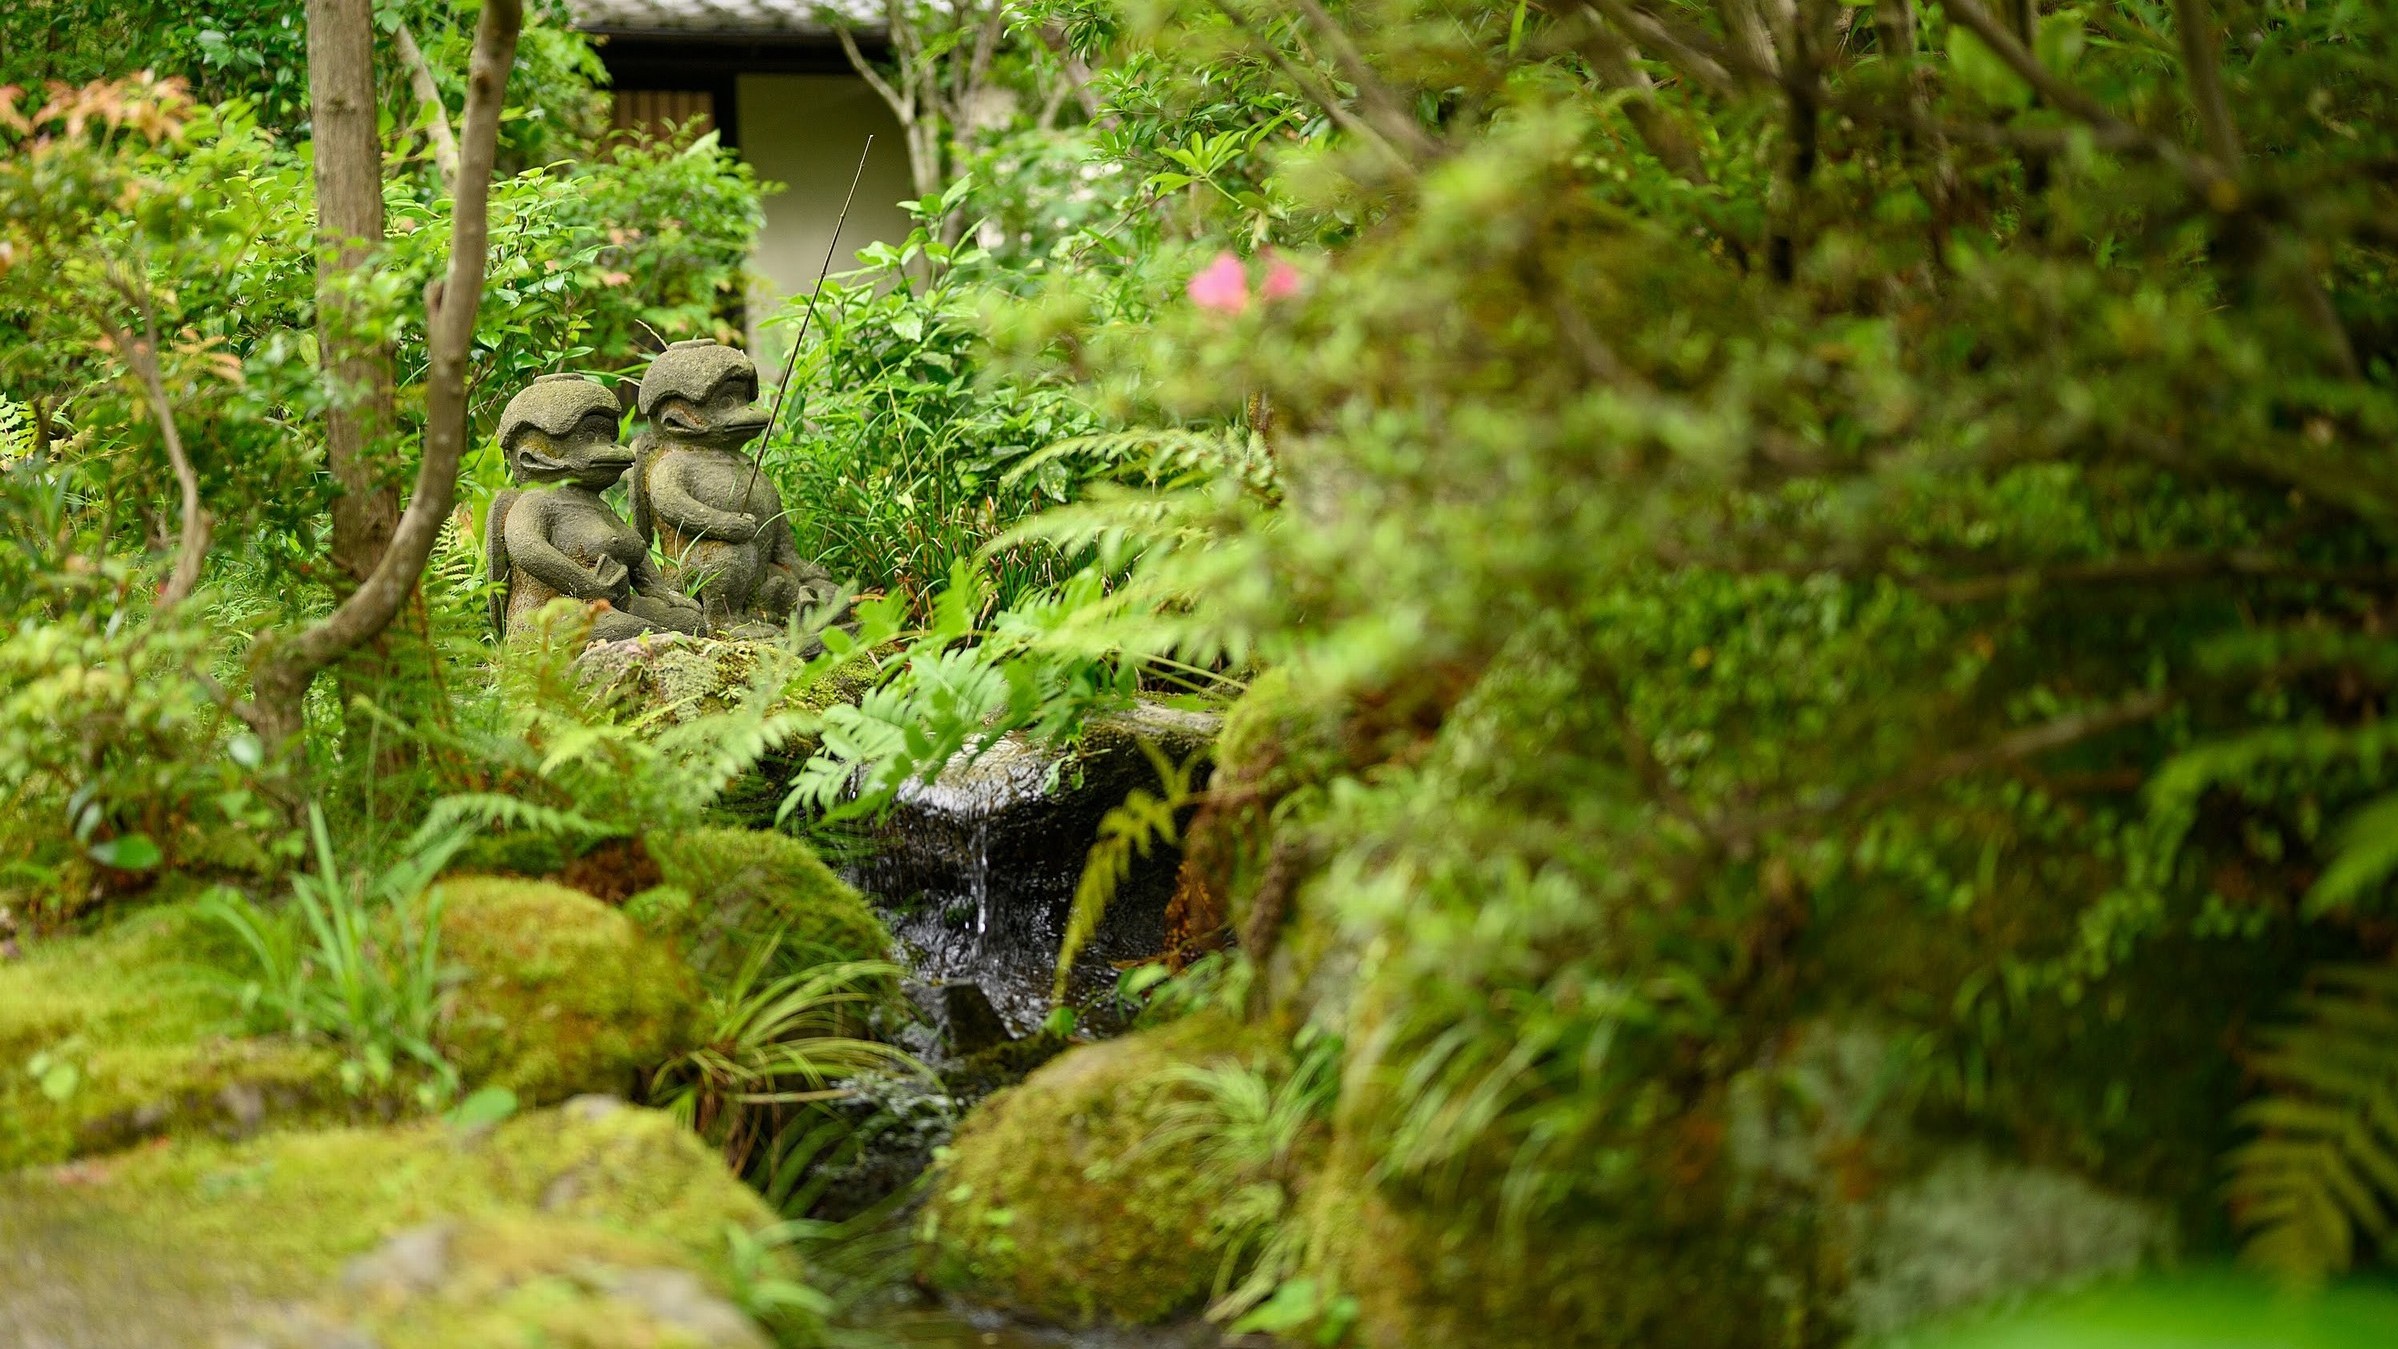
(732, 568)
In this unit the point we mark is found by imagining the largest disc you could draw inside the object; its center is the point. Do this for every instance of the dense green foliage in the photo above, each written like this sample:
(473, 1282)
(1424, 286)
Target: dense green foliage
(1800, 594)
(1778, 526)
(135, 216)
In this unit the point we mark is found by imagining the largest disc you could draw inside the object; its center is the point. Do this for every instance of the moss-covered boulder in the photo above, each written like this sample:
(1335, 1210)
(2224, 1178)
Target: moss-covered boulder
(1049, 1200)
(561, 995)
(122, 1034)
(733, 887)
(594, 1225)
(133, 1031)
(1407, 1273)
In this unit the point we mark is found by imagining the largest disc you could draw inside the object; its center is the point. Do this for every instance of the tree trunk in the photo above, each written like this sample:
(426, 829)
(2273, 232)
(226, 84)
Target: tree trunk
(288, 664)
(349, 222)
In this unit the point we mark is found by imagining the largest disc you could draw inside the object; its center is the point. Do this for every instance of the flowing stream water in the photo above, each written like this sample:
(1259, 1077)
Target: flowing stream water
(975, 873)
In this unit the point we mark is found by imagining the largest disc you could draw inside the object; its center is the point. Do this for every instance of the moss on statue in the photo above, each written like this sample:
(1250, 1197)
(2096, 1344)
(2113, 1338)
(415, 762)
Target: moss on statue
(563, 993)
(744, 885)
(595, 1224)
(1049, 1203)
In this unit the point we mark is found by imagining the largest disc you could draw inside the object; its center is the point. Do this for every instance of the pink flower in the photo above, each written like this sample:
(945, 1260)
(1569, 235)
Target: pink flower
(1223, 286)
(1282, 281)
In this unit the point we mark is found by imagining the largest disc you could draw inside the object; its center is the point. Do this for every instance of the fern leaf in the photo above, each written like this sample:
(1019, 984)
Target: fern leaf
(1131, 830)
(2365, 859)
(2323, 1169)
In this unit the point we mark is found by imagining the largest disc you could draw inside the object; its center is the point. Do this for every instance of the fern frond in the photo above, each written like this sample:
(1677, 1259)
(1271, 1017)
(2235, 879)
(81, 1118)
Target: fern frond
(1131, 830)
(2321, 1177)
(2365, 860)
(494, 810)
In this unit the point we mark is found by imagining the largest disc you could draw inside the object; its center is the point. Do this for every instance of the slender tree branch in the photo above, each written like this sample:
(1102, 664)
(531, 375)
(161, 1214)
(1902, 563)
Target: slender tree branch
(2202, 63)
(1313, 90)
(428, 95)
(1894, 29)
(2028, 743)
(1688, 54)
(1078, 73)
(1615, 61)
(1749, 34)
(2149, 570)
(1390, 115)
(287, 667)
(141, 356)
(902, 108)
(2209, 178)
(986, 45)
(2015, 747)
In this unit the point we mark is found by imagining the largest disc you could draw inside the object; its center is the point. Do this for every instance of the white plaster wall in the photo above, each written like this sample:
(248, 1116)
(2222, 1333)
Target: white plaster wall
(805, 132)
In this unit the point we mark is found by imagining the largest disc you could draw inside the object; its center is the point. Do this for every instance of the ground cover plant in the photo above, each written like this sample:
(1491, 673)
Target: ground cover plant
(1798, 595)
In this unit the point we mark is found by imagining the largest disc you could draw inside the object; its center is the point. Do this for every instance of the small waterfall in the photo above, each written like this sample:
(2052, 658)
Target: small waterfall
(975, 871)
(980, 872)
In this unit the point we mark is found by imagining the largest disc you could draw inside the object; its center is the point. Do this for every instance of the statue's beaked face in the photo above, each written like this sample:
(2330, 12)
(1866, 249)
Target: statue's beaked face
(726, 420)
(587, 455)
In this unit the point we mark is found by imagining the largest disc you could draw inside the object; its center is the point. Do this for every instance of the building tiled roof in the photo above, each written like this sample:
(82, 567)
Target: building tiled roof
(719, 18)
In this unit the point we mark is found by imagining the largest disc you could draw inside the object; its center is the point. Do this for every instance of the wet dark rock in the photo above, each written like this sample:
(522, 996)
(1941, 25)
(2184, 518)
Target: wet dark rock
(968, 1021)
(893, 1125)
(975, 1076)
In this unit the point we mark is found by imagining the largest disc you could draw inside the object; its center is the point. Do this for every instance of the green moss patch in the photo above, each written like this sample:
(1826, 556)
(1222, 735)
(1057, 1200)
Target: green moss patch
(1411, 1275)
(131, 1032)
(596, 1224)
(745, 885)
(563, 994)
(122, 1035)
(1049, 1203)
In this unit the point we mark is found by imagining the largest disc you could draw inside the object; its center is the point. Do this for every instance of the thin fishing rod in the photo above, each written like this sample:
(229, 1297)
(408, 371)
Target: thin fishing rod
(791, 364)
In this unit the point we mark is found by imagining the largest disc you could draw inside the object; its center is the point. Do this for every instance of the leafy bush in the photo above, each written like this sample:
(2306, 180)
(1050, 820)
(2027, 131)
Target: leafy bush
(153, 773)
(897, 461)
(1809, 512)
(774, 1042)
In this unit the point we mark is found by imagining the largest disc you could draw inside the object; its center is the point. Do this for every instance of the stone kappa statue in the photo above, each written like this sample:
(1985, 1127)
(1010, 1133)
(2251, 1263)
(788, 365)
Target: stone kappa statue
(554, 535)
(713, 513)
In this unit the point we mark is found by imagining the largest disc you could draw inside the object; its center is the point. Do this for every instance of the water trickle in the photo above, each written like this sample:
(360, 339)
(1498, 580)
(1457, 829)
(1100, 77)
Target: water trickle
(982, 879)
(975, 871)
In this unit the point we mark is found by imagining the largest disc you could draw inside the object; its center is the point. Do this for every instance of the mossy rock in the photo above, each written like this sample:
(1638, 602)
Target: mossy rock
(745, 885)
(132, 1032)
(596, 1225)
(979, 1074)
(1283, 733)
(690, 677)
(1049, 1203)
(1410, 1274)
(134, 1040)
(563, 994)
